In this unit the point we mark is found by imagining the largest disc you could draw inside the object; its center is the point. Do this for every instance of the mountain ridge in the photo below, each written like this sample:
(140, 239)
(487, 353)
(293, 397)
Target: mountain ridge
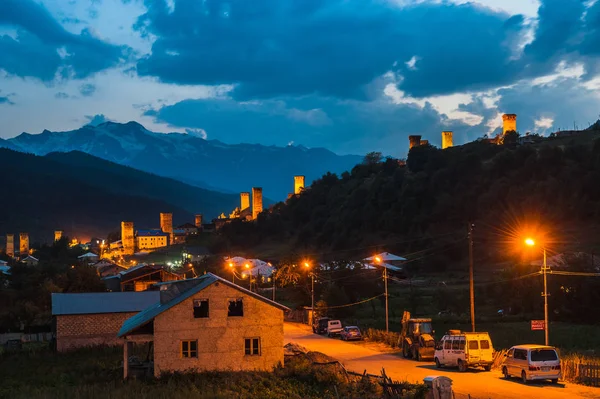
(210, 164)
(89, 196)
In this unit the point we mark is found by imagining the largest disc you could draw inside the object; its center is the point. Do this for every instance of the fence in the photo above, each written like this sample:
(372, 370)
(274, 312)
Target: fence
(37, 337)
(581, 371)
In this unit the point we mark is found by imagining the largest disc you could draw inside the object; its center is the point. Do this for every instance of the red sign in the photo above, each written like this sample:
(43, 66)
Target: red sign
(537, 325)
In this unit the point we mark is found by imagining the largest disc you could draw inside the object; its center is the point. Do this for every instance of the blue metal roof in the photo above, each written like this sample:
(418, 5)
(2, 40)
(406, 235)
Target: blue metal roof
(151, 233)
(205, 280)
(102, 302)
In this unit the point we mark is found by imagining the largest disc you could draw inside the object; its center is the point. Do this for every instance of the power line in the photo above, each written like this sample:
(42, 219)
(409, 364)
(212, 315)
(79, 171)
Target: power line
(350, 304)
(582, 274)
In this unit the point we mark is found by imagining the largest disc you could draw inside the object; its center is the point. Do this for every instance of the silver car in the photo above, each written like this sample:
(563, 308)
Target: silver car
(532, 362)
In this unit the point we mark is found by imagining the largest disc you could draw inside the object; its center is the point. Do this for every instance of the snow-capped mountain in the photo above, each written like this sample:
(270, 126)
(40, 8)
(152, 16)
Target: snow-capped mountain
(191, 159)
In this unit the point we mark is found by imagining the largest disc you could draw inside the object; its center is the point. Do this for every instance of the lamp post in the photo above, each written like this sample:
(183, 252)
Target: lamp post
(312, 290)
(232, 272)
(247, 266)
(377, 260)
(530, 242)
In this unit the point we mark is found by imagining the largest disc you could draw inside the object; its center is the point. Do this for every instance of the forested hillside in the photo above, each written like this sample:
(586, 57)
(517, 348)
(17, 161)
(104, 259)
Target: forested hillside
(86, 196)
(433, 196)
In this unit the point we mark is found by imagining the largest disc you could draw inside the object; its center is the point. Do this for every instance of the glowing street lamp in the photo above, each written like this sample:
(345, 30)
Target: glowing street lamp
(531, 243)
(377, 260)
(306, 264)
(232, 272)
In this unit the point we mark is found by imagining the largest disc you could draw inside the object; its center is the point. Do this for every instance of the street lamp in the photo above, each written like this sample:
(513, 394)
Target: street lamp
(312, 289)
(377, 260)
(247, 266)
(530, 242)
(232, 272)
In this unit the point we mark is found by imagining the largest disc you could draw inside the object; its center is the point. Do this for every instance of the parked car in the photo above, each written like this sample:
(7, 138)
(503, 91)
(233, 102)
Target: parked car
(532, 362)
(320, 325)
(350, 333)
(464, 350)
(334, 327)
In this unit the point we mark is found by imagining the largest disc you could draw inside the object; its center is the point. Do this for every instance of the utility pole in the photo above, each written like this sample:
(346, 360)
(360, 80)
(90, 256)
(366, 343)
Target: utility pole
(387, 326)
(312, 293)
(471, 283)
(545, 295)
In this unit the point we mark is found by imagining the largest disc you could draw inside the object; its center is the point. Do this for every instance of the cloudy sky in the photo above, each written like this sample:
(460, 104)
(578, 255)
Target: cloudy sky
(349, 75)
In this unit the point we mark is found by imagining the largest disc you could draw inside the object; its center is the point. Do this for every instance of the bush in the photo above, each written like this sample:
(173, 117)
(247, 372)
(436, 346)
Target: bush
(389, 338)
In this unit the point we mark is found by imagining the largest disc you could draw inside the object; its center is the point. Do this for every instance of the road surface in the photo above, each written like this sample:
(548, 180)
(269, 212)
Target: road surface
(479, 384)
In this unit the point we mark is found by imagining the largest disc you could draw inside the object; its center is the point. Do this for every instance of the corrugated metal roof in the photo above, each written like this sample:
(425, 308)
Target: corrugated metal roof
(103, 302)
(205, 280)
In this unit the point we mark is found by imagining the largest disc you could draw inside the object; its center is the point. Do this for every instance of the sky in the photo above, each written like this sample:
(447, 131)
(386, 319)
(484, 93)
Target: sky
(352, 76)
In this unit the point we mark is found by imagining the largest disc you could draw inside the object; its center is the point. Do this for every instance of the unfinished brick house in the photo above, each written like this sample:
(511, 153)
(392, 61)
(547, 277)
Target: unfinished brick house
(91, 319)
(208, 323)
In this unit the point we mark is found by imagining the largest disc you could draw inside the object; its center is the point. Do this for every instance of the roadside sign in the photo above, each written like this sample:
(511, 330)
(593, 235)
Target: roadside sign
(537, 325)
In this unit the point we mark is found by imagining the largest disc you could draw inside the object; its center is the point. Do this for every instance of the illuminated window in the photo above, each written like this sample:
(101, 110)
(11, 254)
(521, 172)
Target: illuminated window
(200, 308)
(189, 348)
(252, 346)
(236, 308)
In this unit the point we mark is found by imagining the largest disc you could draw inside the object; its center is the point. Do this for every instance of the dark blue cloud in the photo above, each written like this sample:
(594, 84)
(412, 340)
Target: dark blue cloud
(95, 120)
(61, 95)
(328, 47)
(346, 126)
(35, 50)
(87, 89)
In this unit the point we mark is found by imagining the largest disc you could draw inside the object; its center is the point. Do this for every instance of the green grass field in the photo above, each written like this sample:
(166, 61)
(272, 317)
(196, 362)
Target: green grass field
(97, 373)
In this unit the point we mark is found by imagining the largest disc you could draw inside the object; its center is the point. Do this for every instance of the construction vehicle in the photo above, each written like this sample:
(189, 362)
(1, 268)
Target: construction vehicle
(416, 338)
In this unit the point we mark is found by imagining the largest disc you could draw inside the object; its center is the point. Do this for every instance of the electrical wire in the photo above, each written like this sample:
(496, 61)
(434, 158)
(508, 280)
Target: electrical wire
(582, 274)
(350, 304)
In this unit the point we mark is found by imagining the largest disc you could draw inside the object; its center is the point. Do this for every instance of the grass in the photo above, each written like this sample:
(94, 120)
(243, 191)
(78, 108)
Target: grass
(97, 373)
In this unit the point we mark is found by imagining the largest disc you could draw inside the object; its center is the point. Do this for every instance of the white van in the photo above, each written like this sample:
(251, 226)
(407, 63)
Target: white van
(464, 350)
(532, 362)
(334, 327)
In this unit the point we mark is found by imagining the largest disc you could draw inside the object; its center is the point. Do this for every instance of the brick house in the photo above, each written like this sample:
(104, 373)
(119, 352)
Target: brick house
(90, 319)
(208, 323)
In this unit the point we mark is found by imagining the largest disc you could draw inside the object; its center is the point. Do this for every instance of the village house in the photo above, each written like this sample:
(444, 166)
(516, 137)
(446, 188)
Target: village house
(90, 319)
(208, 323)
(139, 278)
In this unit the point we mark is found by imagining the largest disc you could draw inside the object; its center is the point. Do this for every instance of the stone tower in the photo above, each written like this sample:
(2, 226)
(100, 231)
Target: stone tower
(509, 122)
(447, 140)
(23, 244)
(244, 201)
(127, 238)
(198, 221)
(298, 184)
(414, 141)
(424, 142)
(166, 225)
(10, 245)
(257, 203)
(57, 235)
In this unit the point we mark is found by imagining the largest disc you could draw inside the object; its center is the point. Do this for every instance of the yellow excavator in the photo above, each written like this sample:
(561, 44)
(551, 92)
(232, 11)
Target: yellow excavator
(416, 339)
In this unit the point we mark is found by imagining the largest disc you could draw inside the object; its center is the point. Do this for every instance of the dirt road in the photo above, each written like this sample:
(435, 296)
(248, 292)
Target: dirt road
(479, 384)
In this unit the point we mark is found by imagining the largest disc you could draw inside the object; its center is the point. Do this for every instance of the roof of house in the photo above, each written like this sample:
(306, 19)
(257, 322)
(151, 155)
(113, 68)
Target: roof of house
(151, 233)
(102, 302)
(187, 226)
(5, 269)
(204, 281)
(29, 257)
(88, 255)
(385, 256)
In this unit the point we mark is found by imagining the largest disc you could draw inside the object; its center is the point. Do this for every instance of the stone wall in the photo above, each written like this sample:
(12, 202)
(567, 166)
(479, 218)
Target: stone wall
(76, 331)
(220, 338)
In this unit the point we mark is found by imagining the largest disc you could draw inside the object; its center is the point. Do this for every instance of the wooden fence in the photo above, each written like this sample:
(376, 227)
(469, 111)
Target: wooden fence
(581, 371)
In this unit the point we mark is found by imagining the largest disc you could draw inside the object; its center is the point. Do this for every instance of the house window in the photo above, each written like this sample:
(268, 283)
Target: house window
(236, 307)
(252, 346)
(200, 308)
(189, 348)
